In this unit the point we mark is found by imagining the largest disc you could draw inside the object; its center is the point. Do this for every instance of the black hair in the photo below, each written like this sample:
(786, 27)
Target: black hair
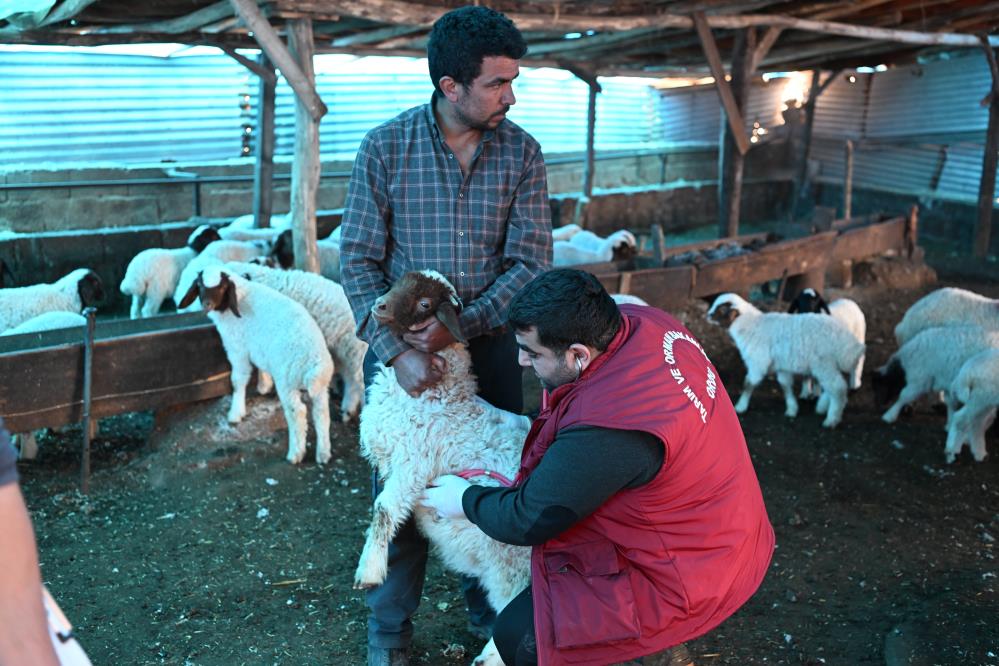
(461, 39)
(567, 306)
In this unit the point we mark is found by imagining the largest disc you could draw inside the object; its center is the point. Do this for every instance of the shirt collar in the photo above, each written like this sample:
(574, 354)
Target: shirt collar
(435, 130)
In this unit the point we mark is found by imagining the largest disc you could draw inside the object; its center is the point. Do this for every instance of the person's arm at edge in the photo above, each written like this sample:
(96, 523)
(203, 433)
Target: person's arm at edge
(528, 251)
(24, 638)
(363, 243)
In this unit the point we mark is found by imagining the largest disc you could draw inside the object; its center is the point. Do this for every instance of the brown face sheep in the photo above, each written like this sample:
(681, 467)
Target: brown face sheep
(414, 298)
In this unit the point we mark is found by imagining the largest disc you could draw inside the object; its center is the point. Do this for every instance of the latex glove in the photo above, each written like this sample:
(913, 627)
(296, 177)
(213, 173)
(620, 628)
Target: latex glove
(444, 496)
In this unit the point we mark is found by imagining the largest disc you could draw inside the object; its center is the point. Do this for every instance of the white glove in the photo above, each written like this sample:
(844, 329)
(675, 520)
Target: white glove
(444, 496)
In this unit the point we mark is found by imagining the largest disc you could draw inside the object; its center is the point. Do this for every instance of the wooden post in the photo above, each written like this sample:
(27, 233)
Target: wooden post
(305, 167)
(732, 113)
(804, 149)
(987, 185)
(731, 157)
(589, 77)
(263, 171)
(848, 181)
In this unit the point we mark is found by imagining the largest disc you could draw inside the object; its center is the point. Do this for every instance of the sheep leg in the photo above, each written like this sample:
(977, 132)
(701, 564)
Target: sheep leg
(978, 444)
(908, 394)
(858, 371)
(952, 405)
(822, 406)
(319, 396)
(834, 386)
(786, 381)
(136, 310)
(27, 445)
(265, 383)
(752, 380)
(957, 433)
(489, 656)
(152, 305)
(392, 507)
(298, 425)
(806, 388)
(240, 377)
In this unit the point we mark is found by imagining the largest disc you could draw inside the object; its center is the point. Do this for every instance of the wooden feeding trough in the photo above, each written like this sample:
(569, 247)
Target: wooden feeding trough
(671, 280)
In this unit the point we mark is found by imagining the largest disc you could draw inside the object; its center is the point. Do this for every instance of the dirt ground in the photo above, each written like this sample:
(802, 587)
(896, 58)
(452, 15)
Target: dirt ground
(199, 544)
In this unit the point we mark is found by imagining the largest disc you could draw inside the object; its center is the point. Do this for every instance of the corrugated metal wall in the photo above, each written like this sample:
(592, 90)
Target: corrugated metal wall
(918, 129)
(78, 105)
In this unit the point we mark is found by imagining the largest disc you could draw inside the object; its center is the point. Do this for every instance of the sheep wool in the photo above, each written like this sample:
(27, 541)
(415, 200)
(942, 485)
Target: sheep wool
(326, 302)
(71, 293)
(977, 386)
(949, 306)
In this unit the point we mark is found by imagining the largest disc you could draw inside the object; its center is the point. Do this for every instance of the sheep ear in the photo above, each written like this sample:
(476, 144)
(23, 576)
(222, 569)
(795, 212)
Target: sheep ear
(448, 315)
(191, 294)
(824, 306)
(229, 300)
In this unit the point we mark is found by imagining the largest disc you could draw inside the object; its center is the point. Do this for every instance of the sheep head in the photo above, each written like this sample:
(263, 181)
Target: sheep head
(726, 309)
(216, 290)
(414, 298)
(808, 300)
(201, 237)
(89, 287)
(283, 250)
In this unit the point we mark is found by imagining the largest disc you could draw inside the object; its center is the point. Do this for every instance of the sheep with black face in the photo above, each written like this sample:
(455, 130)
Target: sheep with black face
(70, 293)
(263, 328)
(445, 430)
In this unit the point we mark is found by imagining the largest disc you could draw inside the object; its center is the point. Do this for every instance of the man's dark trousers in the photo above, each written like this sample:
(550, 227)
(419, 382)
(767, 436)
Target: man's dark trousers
(494, 362)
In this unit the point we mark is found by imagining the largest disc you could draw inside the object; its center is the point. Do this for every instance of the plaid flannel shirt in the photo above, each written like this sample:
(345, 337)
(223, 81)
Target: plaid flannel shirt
(409, 207)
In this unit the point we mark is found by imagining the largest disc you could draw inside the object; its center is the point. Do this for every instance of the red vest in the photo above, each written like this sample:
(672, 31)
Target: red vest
(666, 562)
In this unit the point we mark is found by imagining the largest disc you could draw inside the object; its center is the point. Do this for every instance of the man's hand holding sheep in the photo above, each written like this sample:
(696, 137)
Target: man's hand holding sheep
(444, 496)
(419, 368)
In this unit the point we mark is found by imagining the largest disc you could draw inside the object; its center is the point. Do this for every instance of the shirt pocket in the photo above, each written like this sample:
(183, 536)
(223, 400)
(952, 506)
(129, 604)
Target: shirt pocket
(591, 594)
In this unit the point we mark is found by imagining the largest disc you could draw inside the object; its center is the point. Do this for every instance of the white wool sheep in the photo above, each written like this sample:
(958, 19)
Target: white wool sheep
(585, 247)
(445, 430)
(153, 274)
(848, 313)
(627, 299)
(242, 229)
(565, 232)
(977, 386)
(327, 248)
(261, 327)
(789, 344)
(948, 306)
(929, 362)
(214, 254)
(326, 302)
(70, 293)
(47, 321)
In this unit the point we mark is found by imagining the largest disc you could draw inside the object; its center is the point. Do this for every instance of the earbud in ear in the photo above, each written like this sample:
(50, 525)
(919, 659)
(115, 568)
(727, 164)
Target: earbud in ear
(579, 366)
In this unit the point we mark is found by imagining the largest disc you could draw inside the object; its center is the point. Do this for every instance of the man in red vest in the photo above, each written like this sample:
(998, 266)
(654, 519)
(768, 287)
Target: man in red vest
(636, 491)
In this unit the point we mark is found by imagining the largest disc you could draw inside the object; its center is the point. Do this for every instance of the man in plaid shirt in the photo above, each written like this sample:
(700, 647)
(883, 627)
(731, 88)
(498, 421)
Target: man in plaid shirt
(455, 187)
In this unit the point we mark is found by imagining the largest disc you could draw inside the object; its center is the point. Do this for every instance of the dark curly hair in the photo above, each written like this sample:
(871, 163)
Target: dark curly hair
(461, 39)
(567, 306)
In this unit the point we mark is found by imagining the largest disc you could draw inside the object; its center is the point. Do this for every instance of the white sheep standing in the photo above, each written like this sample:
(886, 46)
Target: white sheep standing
(70, 293)
(153, 274)
(261, 327)
(326, 302)
(445, 430)
(585, 247)
(848, 313)
(949, 306)
(218, 252)
(789, 345)
(929, 362)
(977, 386)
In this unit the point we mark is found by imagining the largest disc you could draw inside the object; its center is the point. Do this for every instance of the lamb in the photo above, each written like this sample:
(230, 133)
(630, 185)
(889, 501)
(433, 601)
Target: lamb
(930, 361)
(977, 386)
(47, 321)
(241, 228)
(152, 275)
(585, 247)
(566, 232)
(70, 293)
(326, 302)
(263, 328)
(805, 344)
(848, 313)
(328, 249)
(948, 306)
(445, 430)
(215, 253)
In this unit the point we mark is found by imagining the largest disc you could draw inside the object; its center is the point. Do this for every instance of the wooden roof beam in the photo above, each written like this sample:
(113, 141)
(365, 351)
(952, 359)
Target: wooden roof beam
(193, 21)
(732, 112)
(268, 39)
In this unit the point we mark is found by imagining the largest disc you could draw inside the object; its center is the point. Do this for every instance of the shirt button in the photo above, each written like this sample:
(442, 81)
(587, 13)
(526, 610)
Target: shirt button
(461, 233)
(450, 156)
(462, 273)
(461, 195)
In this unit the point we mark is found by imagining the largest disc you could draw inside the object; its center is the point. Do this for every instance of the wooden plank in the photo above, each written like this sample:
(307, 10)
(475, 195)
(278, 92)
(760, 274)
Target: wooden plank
(665, 288)
(732, 156)
(870, 241)
(44, 386)
(263, 168)
(732, 113)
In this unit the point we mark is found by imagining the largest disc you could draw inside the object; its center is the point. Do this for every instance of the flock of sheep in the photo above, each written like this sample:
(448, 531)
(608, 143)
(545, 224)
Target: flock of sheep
(948, 344)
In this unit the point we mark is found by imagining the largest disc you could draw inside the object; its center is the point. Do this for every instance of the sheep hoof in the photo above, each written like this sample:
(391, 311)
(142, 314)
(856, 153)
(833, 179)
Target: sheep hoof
(235, 417)
(362, 582)
(888, 418)
(830, 424)
(295, 458)
(323, 458)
